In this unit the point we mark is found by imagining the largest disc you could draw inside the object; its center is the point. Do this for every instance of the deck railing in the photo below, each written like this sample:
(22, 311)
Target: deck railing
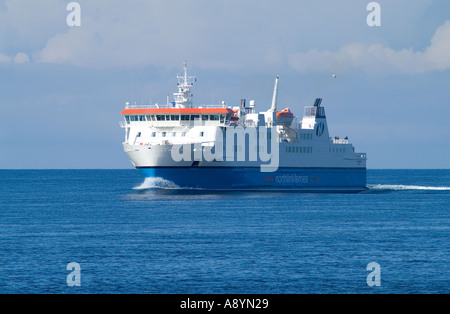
(134, 106)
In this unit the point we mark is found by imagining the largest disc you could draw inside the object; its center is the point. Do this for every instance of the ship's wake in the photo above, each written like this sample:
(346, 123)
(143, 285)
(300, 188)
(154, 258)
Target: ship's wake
(160, 183)
(394, 187)
(156, 183)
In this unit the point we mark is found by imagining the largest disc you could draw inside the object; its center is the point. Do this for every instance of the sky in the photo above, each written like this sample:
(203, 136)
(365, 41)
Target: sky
(62, 87)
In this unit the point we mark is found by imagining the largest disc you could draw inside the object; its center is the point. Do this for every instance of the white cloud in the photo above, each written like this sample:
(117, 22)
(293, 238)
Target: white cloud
(110, 36)
(438, 54)
(377, 58)
(21, 57)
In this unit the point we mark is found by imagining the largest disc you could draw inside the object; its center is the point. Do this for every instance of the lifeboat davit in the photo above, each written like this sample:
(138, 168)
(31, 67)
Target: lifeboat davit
(285, 117)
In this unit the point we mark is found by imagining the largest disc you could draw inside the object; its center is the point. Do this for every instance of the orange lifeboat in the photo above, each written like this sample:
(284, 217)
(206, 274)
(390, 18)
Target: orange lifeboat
(285, 116)
(234, 117)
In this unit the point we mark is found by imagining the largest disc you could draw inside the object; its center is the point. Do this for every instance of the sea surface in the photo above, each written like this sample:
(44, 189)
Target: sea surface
(130, 237)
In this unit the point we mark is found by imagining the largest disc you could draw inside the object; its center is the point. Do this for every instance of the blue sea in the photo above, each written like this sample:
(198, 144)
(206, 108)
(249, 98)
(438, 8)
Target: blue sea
(130, 237)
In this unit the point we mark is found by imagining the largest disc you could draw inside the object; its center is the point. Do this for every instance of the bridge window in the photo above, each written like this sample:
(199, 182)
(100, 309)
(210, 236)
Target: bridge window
(184, 117)
(160, 117)
(195, 117)
(175, 117)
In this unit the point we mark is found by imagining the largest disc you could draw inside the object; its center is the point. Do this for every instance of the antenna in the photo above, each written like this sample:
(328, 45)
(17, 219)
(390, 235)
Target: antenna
(185, 72)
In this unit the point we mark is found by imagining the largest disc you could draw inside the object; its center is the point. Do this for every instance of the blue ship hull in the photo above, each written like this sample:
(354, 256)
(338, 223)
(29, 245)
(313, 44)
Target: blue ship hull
(224, 178)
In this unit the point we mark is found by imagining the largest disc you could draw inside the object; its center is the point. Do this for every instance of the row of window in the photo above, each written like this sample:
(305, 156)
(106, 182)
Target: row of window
(183, 134)
(174, 134)
(299, 150)
(307, 150)
(306, 136)
(176, 117)
(337, 150)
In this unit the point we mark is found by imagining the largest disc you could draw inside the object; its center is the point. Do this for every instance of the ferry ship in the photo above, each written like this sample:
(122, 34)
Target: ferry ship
(222, 147)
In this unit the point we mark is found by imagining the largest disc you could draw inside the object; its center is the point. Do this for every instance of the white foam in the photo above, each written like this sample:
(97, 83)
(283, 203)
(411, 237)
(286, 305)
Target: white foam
(156, 183)
(406, 187)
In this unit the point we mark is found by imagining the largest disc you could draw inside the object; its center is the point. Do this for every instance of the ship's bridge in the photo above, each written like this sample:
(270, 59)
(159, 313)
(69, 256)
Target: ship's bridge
(172, 117)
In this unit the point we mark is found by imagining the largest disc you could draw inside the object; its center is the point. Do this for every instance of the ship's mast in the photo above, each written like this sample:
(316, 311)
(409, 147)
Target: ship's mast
(271, 114)
(275, 94)
(183, 98)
